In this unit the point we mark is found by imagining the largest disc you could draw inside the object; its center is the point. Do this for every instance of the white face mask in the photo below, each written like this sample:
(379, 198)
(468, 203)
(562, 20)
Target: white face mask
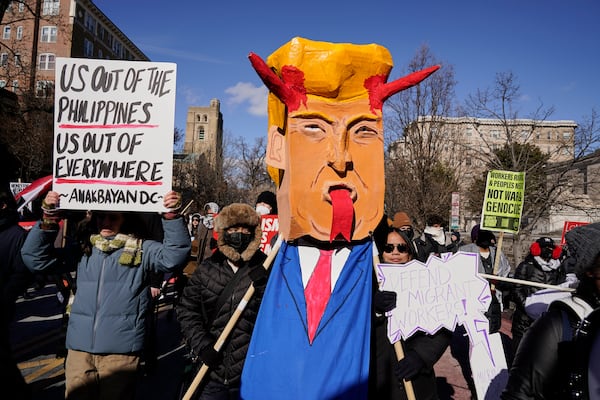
(263, 210)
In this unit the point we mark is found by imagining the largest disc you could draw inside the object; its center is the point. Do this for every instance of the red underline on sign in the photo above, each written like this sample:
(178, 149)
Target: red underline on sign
(107, 182)
(71, 126)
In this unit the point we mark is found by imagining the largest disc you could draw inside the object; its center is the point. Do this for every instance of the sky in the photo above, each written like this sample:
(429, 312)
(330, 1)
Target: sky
(552, 46)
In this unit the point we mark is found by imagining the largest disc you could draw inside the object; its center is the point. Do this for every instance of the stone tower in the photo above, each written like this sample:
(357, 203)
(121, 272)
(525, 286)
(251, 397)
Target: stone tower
(204, 133)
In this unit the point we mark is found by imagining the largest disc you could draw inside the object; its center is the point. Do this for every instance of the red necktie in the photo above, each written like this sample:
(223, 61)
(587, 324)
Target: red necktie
(317, 292)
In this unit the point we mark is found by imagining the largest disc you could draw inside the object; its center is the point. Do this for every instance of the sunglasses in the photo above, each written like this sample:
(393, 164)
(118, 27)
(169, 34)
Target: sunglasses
(402, 248)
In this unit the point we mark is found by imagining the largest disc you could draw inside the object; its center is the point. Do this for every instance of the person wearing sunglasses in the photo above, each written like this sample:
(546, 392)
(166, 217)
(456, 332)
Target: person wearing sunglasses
(421, 351)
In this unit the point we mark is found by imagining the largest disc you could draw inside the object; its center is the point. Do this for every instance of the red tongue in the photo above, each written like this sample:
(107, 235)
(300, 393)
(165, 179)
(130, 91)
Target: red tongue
(343, 213)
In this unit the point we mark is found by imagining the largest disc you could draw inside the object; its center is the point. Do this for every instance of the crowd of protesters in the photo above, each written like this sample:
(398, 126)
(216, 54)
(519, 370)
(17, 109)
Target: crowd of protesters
(117, 252)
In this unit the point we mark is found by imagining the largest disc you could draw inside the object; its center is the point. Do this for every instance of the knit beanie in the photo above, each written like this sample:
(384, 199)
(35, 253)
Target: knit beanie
(401, 219)
(584, 246)
(474, 233)
(269, 198)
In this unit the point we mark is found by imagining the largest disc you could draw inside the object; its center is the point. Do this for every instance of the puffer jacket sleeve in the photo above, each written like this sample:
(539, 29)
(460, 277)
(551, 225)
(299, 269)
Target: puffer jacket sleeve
(38, 250)
(192, 312)
(173, 252)
(536, 364)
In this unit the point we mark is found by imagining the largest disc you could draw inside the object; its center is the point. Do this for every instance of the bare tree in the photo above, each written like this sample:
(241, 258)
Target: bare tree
(547, 173)
(31, 135)
(421, 166)
(247, 168)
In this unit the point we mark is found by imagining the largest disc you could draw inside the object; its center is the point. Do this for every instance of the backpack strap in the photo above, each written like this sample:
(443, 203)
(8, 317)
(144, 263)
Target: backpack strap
(575, 304)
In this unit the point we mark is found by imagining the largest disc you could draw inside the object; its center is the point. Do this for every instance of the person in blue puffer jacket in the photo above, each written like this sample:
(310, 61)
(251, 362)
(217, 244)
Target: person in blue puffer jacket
(105, 334)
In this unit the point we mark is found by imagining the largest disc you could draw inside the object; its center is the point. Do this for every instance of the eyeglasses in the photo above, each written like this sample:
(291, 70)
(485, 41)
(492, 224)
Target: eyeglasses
(402, 248)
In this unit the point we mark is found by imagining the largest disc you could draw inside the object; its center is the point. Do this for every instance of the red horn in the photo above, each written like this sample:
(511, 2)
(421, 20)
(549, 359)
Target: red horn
(382, 91)
(291, 94)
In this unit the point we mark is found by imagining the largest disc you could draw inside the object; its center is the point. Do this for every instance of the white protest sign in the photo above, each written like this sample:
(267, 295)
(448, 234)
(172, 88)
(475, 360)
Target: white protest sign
(490, 372)
(442, 293)
(113, 134)
(17, 187)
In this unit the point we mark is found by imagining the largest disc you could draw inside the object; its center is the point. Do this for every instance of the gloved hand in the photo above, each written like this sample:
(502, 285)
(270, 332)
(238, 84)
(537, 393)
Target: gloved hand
(494, 315)
(384, 301)
(409, 366)
(259, 276)
(210, 357)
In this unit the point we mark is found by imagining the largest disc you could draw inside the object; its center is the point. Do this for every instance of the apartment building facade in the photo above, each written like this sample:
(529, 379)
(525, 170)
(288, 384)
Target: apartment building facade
(465, 143)
(30, 42)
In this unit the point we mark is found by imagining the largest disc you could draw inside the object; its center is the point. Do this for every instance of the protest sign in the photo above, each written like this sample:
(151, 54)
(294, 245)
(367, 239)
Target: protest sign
(503, 201)
(270, 227)
(113, 134)
(567, 227)
(443, 293)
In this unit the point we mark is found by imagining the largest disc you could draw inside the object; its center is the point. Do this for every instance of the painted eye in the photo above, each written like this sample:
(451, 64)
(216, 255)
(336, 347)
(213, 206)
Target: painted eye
(365, 131)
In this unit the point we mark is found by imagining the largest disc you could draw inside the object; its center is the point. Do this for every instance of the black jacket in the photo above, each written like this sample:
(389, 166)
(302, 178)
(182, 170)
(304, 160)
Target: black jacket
(383, 382)
(530, 270)
(197, 307)
(541, 367)
(14, 275)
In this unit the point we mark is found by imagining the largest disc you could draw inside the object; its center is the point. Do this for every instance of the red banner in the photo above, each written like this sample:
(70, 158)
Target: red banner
(270, 228)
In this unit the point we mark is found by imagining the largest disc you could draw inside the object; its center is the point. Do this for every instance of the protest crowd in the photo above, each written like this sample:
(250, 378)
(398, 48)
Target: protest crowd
(305, 292)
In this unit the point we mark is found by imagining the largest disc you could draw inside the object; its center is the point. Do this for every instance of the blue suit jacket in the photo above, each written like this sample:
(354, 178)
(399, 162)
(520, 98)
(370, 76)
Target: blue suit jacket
(282, 364)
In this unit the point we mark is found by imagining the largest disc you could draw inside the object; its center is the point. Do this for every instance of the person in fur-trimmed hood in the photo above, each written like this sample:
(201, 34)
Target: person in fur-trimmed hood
(213, 293)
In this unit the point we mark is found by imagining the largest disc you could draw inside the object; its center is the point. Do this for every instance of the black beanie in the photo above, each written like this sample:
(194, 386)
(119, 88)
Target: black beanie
(268, 198)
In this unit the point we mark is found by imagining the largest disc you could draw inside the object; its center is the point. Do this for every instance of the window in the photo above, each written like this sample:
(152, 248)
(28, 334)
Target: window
(44, 88)
(537, 136)
(2, 84)
(100, 54)
(199, 118)
(90, 22)
(205, 118)
(549, 135)
(50, 7)
(88, 48)
(3, 59)
(21, 7)
(17, 59)
(47, 61)
(567, 135)
(469, 131)
(200, 133)
(15, 85)
(495, 134)
(6, 32)
(48, 34)
(19, 32)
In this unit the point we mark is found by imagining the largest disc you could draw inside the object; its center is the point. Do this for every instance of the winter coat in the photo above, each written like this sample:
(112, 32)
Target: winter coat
(542, 364)
(197, 305)
(530, 270)
(430, 348)
(14, 275)
(109, 310)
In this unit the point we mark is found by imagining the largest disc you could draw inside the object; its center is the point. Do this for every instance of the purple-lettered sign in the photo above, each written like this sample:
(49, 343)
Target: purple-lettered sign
(442, 293)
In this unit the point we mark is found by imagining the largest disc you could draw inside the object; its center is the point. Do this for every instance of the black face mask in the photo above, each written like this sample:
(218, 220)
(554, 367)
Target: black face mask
(238, 240)
(484, 244)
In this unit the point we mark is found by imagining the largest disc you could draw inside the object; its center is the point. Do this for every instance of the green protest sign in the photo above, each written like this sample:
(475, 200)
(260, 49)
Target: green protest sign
(503, 201)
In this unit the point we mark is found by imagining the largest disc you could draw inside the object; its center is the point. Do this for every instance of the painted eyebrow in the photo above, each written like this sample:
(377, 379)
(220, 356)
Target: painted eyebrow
(321, 116)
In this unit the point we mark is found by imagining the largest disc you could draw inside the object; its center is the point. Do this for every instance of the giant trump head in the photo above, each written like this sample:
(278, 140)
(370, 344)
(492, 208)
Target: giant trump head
(325, 138)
